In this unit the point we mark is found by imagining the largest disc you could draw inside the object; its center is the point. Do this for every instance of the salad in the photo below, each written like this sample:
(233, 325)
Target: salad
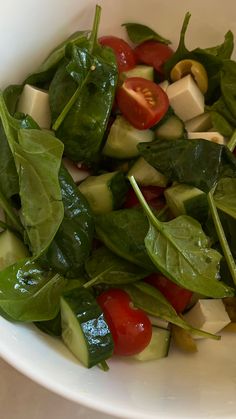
(117, 191)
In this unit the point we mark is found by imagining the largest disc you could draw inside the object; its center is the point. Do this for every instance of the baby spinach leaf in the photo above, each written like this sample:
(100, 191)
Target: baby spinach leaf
(81, 124)
(181, 50)
(73, 241)
(9, 183)
(180, 250)
(27, 293)
(123, 232)
(38, 158)
(224, 50)
(47, 69)
(195, 162)
(228, 85)
(138, 33)
(220, 106)
(61, 90)
(220, 124)
(105, 267)
(225, 196)
(150, 299)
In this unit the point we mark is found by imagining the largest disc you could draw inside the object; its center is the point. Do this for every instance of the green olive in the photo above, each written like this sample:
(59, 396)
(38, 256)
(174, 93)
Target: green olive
(196, 69)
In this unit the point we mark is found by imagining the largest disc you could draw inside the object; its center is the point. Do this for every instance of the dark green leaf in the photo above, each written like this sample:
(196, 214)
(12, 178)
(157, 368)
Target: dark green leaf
(196, 162)
(27, 293)
(220, 124)
(123, 232)
(221, 107)
(9, 183)
(228, 85)
(151, 300)
(181, 51)
(72, 244)
(105, 267)
(83, 127)
(61, 90)
(47, 69)
(225, 196)
(224, 50)
(181, 251)
(138, 33)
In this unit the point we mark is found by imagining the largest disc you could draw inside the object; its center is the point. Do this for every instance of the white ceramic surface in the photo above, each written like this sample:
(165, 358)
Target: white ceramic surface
(195, 386)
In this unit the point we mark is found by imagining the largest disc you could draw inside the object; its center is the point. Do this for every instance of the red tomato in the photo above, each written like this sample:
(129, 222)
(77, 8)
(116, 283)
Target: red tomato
(178, 297)
(152, 194)
(142, 102)
(130, 327)
(124, 53)
(153, 53)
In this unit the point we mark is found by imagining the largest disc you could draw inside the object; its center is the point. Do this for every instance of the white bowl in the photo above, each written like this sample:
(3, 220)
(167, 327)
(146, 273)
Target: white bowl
(180, 386)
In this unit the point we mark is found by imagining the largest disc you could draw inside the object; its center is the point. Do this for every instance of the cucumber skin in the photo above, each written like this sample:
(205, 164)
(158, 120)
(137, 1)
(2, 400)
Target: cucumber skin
(97, 336)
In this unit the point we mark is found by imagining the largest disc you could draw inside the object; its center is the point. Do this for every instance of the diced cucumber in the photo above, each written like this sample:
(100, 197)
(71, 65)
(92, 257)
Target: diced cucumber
(11, 249)
(158, 346)
(84, 329)
(158, 322)
(146, 175)
(144, 71)
(171, 128)
(179, 196)
(123, 139)
(105, 192)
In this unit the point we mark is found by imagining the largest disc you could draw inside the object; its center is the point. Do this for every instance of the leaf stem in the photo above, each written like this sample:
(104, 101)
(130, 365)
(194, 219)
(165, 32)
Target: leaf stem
(221, 235)
(92, 42)
(232, 142)
(143, 203)
(103, 365)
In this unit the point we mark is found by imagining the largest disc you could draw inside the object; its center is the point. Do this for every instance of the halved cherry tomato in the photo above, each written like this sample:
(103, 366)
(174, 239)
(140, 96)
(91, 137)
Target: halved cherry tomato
(178, 297)
(153, 53)
(152, 194)
(124, 53)
(130, 327)
(142, 102)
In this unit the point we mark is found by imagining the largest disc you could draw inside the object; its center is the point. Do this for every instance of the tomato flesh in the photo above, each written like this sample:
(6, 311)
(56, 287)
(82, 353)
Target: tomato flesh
(124, 54)
(131, 328)
(152, 194)
(153, 53)
(142, 102)
(178, 297)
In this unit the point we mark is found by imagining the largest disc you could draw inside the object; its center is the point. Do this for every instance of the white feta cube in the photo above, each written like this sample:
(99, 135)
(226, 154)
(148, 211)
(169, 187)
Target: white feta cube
(213, 136)
(209, 315)
(199, 123)
(35, 102)
(186, 98)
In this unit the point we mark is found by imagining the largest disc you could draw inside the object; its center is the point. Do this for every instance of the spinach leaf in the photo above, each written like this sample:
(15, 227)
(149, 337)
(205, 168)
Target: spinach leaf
(220, 106)
(228, 85)
(61, 90)
(81, 124)
(73, 241)
(224, 50)
(220, 124)
(181, 50)
(151, 300)
(123, 232)
(105, 267)
(37, 157)
(138, 33)
(47, 69)
(225, 196)
(195, 162)
(180, 250)
(9, 183)
(11, 96)
(27, 293)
